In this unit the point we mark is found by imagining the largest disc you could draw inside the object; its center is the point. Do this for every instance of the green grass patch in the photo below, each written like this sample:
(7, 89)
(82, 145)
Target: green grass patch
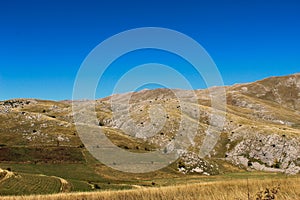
(25, 184)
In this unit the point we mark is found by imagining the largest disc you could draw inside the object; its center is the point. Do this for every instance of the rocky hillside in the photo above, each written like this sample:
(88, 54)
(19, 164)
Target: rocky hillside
(261, 129)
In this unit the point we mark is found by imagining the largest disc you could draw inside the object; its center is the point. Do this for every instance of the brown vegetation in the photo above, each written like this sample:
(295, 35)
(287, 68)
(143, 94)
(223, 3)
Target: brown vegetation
(231, 190)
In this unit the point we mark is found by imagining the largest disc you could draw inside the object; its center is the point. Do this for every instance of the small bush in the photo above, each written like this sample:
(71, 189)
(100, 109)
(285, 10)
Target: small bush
(101, 123)
(276, 164)
(249, 163)
(267, 194)
(97, 187)
(181, 165)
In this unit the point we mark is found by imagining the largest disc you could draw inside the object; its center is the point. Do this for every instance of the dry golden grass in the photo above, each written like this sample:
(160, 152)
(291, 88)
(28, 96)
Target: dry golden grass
(220, 190)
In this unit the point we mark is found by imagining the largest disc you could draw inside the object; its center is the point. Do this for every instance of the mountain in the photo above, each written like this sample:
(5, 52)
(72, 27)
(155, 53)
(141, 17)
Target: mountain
(260, 131)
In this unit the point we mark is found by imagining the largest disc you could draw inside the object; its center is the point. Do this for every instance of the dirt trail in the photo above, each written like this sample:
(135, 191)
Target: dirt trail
(65, 185)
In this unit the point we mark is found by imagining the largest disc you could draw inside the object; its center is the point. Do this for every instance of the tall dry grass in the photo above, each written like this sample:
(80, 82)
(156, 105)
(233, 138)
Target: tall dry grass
(221, 190)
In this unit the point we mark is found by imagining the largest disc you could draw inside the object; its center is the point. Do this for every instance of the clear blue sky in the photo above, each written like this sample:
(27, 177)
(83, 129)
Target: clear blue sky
(43, 42)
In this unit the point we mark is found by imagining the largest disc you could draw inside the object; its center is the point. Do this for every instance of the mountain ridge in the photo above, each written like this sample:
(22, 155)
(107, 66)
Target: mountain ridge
(258, 115)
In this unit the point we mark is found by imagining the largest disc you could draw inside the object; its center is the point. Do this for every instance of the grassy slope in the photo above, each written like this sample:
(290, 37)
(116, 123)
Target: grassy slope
(289, 188)
(44, 121)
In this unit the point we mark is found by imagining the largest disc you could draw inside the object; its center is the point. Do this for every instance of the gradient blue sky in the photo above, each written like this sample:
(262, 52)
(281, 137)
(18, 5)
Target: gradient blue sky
(43, 42)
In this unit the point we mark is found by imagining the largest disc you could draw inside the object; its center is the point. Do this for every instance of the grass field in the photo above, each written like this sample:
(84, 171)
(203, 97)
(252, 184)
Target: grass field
(93, 180)
(29, 184)
(95, 177)
(286, 189)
